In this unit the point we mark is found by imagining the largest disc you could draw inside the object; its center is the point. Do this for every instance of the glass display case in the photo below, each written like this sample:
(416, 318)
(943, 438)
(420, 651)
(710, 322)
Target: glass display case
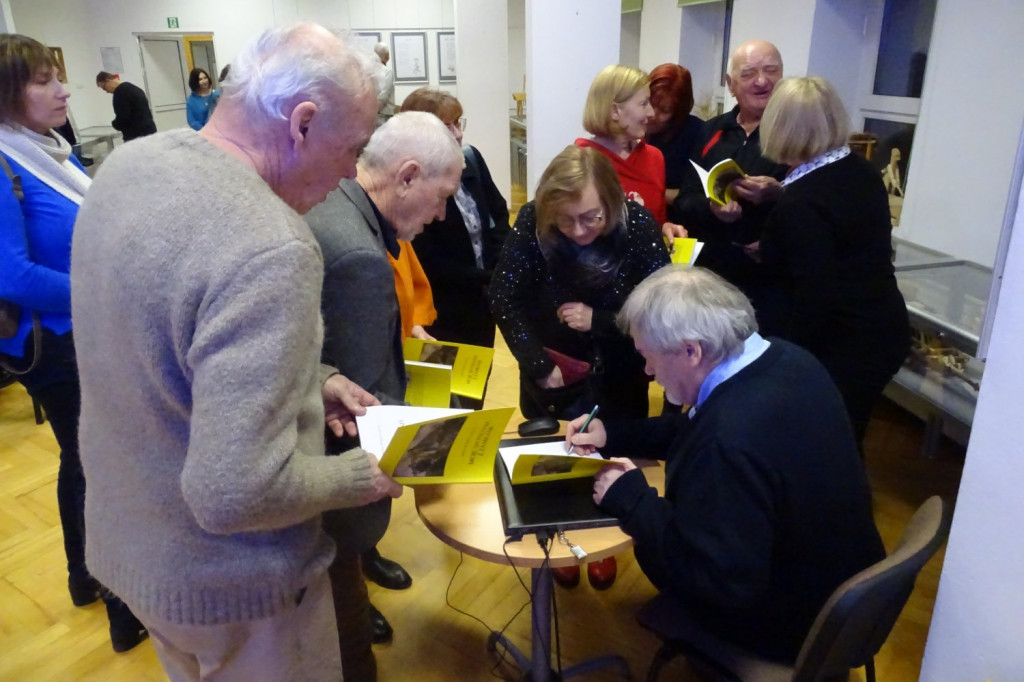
(946, 300)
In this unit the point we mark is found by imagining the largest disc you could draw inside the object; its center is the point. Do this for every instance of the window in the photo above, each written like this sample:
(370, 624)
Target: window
(892, 77)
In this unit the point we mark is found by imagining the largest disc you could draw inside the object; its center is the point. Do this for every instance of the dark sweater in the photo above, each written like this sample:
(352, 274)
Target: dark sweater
(445, 251)
(132, 115)
(724, 138)
(678, 145)
(827, 249)
(766, 508)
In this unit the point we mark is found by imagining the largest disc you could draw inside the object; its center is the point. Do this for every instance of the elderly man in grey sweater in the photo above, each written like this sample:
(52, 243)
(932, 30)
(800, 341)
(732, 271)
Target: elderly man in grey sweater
(203, 399)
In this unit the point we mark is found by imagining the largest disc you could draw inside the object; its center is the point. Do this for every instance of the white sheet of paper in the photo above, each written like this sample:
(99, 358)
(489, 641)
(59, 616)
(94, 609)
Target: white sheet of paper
(703, 176)
(511, 454)
(378, 425)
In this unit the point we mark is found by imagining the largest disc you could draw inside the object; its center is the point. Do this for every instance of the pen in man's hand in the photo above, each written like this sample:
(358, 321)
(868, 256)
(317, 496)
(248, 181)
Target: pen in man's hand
(583, 429)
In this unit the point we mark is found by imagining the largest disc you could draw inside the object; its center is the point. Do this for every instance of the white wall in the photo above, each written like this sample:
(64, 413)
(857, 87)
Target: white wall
(6, 18)
(81, 27)
(978, 623)
(700, 50)
(659, 33)
(567, 43)
(839, 22)
(785, 23)
(972, 107)
(516, 48)
(66, 24)
(482, 29)
(629, 39)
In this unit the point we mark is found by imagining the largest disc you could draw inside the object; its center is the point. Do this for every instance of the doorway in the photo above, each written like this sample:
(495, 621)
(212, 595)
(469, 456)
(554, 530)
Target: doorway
(167, 59)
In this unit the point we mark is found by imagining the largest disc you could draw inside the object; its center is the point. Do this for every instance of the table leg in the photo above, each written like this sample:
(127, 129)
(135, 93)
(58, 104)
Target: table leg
(539, 665)
(540, 614)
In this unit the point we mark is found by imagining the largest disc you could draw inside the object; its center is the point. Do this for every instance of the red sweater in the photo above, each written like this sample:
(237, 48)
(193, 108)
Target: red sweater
(642, 175)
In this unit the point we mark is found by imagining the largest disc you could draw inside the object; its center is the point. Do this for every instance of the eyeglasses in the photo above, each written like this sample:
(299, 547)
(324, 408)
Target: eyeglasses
(587, 221)
(460, 124)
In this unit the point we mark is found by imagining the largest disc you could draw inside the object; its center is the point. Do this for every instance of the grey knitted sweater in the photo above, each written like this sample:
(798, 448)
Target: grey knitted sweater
(196, 304)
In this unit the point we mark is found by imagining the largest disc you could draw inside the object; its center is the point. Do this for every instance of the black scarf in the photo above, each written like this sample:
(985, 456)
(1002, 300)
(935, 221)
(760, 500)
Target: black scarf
(585, 269)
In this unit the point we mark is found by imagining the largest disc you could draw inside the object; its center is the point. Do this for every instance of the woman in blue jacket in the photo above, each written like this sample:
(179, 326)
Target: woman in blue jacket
(35, 262)
(202, 100)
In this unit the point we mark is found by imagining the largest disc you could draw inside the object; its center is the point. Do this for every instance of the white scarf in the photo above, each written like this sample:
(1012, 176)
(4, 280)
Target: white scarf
(816, 163)
(47, 158)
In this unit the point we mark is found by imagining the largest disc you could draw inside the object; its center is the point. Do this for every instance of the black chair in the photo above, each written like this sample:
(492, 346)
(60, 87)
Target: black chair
(850, 629)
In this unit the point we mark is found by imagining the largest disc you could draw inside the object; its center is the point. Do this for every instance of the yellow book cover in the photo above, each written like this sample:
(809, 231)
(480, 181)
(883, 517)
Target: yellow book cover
(458, 448)
(471, 365)
(429, 385)
(538, 462)
(718, 181)
(684, 250)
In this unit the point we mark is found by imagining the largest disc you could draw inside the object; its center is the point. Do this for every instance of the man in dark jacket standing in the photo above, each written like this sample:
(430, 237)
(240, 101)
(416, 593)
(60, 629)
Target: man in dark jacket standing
(132, 115)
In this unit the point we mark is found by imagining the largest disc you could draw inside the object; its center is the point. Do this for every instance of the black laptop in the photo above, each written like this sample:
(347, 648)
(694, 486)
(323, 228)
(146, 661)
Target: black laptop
(550, 505)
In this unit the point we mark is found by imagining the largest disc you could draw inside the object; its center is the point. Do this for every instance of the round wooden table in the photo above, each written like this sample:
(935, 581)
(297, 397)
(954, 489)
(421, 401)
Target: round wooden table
(466, 516)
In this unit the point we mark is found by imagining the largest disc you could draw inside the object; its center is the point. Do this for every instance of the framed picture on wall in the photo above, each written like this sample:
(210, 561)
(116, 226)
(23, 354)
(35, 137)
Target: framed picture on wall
(409, 52)
(365, 40)
(446, 56)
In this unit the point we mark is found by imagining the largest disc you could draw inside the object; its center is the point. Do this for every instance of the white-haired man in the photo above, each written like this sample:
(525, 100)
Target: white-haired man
(410, 167)
(385, 84)
(766, 508)
(728, 231)
(196, 296)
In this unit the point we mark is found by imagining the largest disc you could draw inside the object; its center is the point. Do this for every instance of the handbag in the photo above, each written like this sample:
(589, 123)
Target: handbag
(10, 313)
(578, 395)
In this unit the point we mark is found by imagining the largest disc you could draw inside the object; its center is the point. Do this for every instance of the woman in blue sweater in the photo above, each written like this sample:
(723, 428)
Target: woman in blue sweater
(35, 260)
(202, 100)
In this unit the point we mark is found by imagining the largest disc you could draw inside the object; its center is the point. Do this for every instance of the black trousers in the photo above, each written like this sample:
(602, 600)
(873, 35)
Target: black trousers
(54, 384)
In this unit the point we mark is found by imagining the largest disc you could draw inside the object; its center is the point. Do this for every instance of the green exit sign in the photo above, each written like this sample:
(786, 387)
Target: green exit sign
(172, 22)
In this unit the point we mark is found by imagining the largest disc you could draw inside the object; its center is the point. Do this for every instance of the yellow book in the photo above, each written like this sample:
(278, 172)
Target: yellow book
(684, 250)
(471, 365)
(451, 446)
(538, 462)
(429, 385)
(718, 181)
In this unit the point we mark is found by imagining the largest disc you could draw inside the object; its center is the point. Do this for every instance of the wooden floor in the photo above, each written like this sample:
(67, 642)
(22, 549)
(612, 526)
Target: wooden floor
(44, 637)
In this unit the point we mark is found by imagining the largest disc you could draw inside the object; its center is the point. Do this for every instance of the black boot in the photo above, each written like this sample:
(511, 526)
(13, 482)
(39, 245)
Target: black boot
(83, 587)
(126, 631)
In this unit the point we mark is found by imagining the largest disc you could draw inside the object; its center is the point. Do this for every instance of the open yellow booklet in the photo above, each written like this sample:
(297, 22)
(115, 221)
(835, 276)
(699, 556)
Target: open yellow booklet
(718, 181)
(537, 462)
(470, 365)
(421, 445)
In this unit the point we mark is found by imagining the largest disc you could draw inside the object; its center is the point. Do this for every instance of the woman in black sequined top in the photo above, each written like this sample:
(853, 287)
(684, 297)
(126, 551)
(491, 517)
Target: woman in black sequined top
(573, 257)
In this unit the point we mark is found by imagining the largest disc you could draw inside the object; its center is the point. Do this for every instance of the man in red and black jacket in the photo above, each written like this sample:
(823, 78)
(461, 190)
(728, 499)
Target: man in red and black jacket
(728, 231)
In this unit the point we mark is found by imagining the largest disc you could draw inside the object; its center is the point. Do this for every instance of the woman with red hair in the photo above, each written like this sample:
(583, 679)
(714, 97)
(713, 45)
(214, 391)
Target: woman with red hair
(673, 129)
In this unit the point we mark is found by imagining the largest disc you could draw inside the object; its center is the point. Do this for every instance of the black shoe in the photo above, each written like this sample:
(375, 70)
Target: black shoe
(382, 631)
(84, 588)
(126, 631)
(385, 572)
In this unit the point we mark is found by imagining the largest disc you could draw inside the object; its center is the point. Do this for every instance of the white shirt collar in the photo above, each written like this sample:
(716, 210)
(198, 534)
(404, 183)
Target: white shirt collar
(754, 346)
